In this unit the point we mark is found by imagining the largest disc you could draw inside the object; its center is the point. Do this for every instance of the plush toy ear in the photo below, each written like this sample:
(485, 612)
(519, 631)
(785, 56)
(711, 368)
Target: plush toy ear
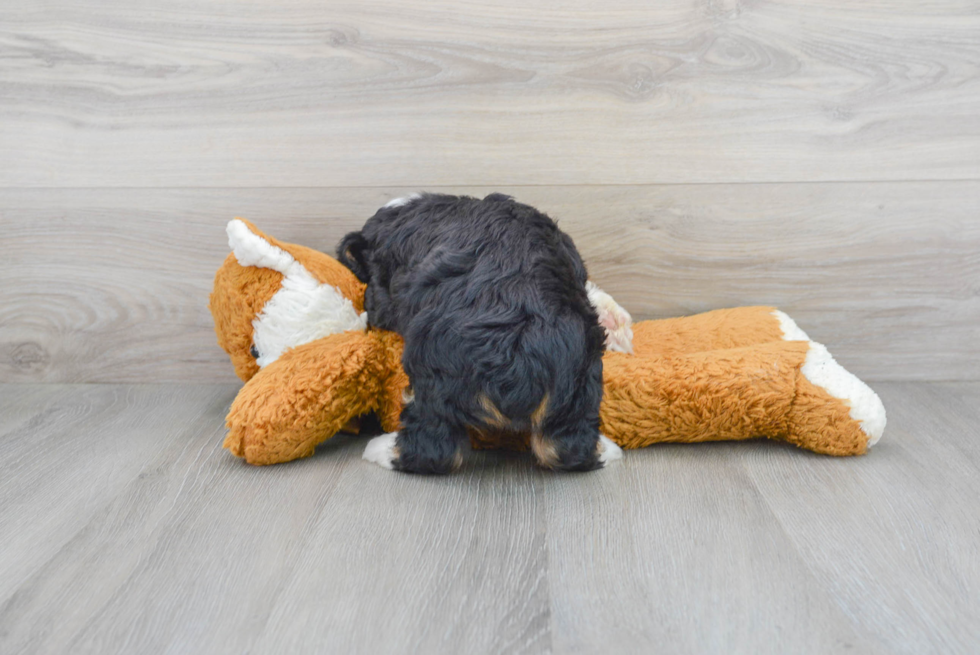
(252, 247)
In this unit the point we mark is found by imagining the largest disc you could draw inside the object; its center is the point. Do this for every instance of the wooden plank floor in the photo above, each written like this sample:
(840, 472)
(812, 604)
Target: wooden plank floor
(127, 529)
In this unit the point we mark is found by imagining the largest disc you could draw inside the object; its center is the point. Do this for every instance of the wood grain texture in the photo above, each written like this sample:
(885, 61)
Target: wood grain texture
(913, 506)
(112, 285)
(127, 529)
(687, 557)
(440, 92)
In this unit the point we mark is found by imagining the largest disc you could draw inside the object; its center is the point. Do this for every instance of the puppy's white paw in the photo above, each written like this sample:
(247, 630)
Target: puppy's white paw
(382, 450)
(609, 451)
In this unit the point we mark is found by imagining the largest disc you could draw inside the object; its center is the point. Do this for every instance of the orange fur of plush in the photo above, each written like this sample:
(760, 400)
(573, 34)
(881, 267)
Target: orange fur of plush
(723, 375)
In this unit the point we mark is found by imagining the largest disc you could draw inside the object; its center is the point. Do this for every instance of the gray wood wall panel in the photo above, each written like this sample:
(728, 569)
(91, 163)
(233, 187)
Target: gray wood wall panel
(303, 93)
(103, 285)
(820, 157)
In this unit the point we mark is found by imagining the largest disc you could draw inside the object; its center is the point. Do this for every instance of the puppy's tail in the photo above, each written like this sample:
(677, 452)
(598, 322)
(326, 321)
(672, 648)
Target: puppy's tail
(352, 253)
(516, 401)
(542, 374)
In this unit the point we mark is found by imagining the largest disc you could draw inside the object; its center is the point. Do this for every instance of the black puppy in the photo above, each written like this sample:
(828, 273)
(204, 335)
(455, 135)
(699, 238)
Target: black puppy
(491, 300)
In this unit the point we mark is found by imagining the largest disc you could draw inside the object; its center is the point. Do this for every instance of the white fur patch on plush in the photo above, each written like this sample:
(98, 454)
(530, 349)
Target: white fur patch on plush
(398, 202)
(791, 331)
(381, 450)
(302, 310)
(613, 318)
(610, 450)
(821, 369)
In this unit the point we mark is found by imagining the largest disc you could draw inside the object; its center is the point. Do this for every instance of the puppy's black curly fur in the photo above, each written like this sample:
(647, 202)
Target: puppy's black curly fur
(490, 298)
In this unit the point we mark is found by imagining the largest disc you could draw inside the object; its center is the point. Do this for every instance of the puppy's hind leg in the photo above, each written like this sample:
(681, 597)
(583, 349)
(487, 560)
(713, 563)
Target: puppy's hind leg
(574, 448)
(425, 444)
(568, 438)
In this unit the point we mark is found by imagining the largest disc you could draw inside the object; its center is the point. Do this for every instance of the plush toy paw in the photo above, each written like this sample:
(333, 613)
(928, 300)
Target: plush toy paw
(615, 320)
(833, 411)
(818, 404)
(821, 369)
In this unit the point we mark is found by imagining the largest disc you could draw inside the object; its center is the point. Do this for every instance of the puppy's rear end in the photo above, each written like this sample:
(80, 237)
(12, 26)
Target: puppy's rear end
(548, 384)
(490, 297)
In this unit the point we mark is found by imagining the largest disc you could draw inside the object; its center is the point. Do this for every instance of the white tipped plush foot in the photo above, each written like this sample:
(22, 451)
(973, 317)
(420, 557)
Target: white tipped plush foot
(821, 369)
(791, 331)
(381, 450)
(609, 450)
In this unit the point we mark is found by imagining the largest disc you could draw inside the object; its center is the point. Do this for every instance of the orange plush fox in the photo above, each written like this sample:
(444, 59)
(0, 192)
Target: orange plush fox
(292, 321)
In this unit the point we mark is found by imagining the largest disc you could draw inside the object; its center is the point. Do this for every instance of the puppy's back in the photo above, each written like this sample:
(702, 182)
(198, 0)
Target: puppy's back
(490, 298)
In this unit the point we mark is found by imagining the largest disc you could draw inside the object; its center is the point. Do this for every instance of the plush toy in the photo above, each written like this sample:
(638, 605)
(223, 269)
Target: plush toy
(292, 320)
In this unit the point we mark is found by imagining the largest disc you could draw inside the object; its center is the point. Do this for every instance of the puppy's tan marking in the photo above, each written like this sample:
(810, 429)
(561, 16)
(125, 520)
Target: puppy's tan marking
(544, 450)
(493, 417)
(538, 415)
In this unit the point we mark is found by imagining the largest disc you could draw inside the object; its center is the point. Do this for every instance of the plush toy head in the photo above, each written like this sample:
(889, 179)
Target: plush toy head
(270, 296)
(291, 319)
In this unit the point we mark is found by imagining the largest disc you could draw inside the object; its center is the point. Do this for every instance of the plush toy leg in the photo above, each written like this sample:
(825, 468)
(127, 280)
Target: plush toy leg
(788, 390)
(831, 401)
(305, 397)
(716, 395)
(395, 392)
(714, 330)
(833, 412)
